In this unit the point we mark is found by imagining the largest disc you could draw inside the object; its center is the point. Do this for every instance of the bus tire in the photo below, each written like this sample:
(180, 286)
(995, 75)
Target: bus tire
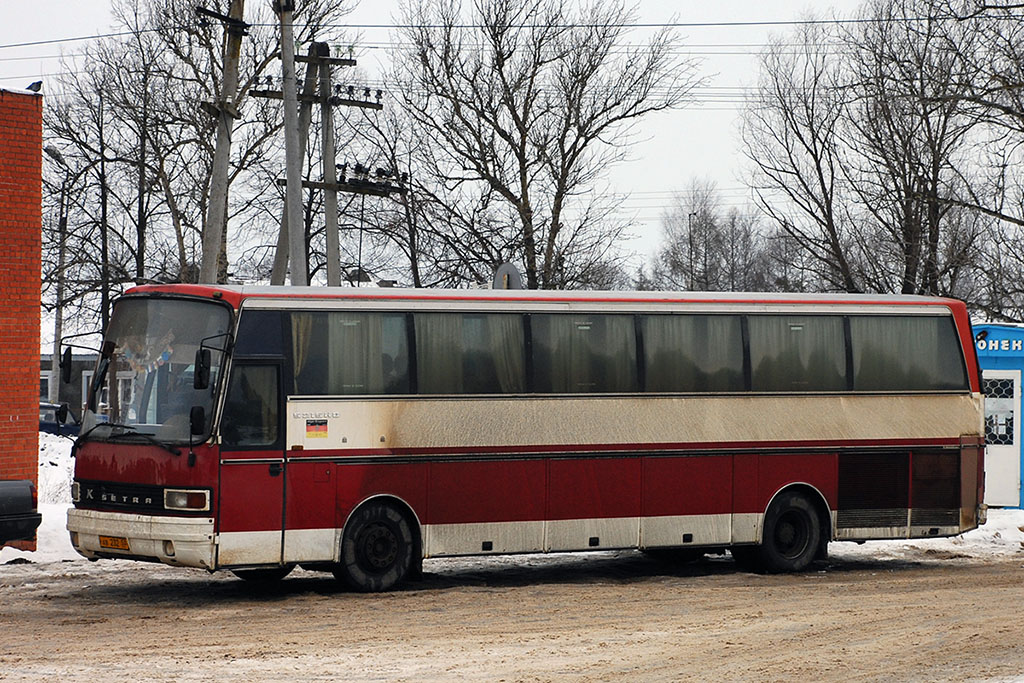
(792, 534)
(376, 548)
(268, 575)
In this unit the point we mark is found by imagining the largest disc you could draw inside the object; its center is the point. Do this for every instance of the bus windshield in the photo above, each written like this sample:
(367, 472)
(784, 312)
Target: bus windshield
(149, 355)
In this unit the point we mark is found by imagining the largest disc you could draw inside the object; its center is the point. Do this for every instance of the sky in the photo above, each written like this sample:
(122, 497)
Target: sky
(698, 142)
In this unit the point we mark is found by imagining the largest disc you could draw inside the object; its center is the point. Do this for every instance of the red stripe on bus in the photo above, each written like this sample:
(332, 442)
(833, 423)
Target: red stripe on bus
(727, 447)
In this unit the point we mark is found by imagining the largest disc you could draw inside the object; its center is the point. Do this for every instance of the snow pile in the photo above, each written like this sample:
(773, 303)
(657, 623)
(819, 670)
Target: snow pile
(56, 469)
(1002, 536)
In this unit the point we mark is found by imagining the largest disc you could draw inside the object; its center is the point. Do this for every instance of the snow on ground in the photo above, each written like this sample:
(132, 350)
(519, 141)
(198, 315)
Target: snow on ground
(1003, 535)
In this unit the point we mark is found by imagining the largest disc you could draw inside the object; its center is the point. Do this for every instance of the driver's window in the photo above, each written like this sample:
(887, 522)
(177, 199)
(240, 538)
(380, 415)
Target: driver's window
(251, 411)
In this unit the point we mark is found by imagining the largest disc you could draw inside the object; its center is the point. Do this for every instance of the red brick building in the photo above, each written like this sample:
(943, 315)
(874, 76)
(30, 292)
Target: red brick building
(21, 145)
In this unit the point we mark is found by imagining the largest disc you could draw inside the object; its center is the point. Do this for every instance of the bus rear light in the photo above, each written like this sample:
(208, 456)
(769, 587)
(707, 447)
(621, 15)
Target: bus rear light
(183, 499)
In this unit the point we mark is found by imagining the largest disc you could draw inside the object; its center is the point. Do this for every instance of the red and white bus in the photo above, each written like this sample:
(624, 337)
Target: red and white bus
(361, 430)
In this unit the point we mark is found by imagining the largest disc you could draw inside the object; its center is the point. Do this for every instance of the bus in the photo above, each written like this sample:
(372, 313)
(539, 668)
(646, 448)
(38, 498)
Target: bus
(359, 431)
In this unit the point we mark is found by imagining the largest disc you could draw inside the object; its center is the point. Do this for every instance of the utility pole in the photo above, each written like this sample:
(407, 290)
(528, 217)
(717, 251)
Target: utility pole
(280, 269)
(292, 240)
(224, 110)
(319, 63)
(293, 158)
(329, 168)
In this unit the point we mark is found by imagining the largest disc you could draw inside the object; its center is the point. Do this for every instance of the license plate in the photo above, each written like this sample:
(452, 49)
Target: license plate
(114, 542)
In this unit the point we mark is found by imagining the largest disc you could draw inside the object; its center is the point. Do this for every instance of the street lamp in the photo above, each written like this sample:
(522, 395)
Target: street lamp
(689, 236)
(55, 154)
(53, 388)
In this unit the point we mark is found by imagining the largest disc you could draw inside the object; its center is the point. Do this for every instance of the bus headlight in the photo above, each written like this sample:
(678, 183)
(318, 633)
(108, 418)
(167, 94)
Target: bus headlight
(76, 492)
(186, 499)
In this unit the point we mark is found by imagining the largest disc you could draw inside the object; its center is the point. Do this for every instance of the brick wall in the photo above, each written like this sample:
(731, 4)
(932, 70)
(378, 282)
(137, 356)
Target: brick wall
(21, 145)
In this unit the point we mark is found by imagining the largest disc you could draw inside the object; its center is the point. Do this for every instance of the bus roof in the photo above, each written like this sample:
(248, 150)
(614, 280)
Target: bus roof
(235, 294)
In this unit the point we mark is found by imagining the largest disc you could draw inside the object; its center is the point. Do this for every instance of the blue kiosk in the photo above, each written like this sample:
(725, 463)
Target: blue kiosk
(1000, 350)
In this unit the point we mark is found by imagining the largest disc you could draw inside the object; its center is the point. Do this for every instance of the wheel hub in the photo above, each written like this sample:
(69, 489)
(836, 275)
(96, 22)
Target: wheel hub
(791, 534)
(380, 547)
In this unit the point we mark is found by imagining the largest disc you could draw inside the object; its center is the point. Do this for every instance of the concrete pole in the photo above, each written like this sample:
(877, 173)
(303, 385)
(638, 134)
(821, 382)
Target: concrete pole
(217, 207)
(280, 269)
(293, 158)
(330, 172)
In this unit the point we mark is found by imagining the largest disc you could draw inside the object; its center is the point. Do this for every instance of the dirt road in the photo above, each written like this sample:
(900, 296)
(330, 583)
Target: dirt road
(570, 617)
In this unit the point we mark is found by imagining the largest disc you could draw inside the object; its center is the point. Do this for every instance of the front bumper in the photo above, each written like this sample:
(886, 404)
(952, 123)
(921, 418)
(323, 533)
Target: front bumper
(178, 541)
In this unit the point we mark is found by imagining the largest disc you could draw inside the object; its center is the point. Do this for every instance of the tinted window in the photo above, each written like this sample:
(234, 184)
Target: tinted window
(470, 353)
(584, 353)
(350, 353)
(797, 353)
(251, 409)
(259, 334)
(692, 353)
(904, 353)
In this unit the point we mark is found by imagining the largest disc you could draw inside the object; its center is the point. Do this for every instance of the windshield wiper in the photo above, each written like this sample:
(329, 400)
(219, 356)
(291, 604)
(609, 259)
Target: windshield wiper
(132, 431)
(81, 437)
(126, 430)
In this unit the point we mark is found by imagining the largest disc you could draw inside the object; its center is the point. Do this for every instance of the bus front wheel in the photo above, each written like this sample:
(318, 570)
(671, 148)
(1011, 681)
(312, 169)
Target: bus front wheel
(792, 534)
(376, 548)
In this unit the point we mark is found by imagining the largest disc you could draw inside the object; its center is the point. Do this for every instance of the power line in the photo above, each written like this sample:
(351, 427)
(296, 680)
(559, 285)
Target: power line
(674, 24)
(637, 25)
(97, 36)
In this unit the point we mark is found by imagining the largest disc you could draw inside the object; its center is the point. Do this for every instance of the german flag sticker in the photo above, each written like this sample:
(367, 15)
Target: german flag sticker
(316, 429)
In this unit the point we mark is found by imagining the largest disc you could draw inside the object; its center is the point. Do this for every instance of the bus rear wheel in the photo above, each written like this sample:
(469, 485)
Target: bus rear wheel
(792, 534)
(376, 548)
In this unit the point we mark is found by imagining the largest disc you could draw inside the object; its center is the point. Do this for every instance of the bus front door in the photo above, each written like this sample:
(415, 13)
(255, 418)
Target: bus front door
(252, 468)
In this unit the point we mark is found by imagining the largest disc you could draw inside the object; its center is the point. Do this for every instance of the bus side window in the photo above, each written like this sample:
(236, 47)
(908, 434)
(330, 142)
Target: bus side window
(584, 353)
(251, 410)
(794, 353)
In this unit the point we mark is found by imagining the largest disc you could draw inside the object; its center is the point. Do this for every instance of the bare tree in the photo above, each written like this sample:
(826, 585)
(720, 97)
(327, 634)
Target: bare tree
(528, 104)
(706, 249)
(745, 266)
(792, 133)
(81, 125)
(439, 237)
(865, 145)
(133, 124)
(911, 130)
(688, 256)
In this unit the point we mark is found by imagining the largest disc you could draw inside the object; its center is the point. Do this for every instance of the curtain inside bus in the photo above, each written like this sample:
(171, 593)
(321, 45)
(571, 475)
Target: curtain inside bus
(343, 353)
(797, 353)
(903, 353)
(693, 353)
(584, 353)
(470, 353)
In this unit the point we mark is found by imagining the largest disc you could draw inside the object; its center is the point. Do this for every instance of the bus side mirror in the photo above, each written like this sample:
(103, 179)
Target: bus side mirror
(65, 366)
(62, 413)
(197, 420)
(201, 375)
